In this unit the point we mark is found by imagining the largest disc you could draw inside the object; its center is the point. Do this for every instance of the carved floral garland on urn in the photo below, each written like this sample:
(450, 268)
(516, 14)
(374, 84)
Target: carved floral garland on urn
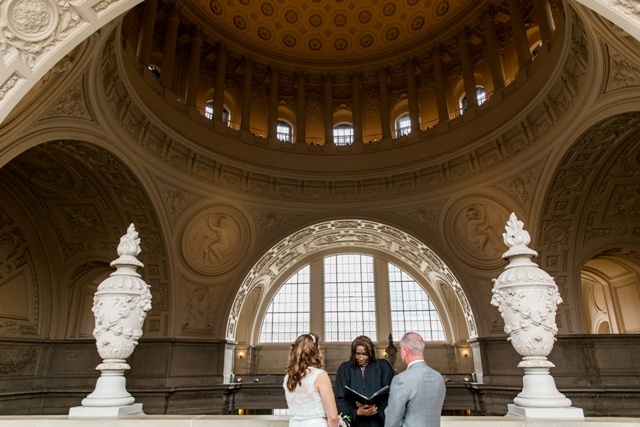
(527, 298)
(120, 306)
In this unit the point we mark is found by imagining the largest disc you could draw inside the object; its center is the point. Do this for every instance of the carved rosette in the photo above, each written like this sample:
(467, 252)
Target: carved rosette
(33, 27)
(527, 298)
(120, 306)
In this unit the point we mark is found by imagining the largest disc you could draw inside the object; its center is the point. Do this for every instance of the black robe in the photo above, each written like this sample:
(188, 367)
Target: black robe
(377, 375)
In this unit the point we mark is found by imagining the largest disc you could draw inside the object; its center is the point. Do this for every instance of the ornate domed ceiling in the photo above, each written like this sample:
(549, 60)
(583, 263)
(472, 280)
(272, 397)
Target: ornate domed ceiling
(320, 30)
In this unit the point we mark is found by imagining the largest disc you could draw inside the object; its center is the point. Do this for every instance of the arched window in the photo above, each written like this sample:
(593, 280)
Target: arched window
(208, 112)
(284, 131)
(351, 285)
(403, 125)
(535, 49)
(289, 311)
(343, 134)
(481, 96)
(155, 72)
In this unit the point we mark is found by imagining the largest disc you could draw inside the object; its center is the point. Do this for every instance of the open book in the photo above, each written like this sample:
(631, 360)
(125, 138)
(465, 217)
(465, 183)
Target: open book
(375, 398)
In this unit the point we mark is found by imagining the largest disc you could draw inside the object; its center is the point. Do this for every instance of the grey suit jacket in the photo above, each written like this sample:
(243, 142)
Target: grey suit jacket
(415, 398)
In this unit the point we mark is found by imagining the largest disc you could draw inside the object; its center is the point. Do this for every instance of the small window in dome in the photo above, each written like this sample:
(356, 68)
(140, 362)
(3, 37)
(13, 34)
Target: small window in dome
(284, 131)
(343, 134)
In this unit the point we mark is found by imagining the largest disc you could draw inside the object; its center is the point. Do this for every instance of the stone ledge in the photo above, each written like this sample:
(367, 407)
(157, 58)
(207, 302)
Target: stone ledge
(283, 421)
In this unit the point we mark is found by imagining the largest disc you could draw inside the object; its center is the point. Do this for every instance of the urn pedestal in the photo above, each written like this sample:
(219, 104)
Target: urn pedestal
(120, 305)
(527, 298)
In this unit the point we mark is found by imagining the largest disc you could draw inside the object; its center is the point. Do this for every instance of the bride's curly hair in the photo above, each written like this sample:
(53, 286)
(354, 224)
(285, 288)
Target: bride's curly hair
(304, 354)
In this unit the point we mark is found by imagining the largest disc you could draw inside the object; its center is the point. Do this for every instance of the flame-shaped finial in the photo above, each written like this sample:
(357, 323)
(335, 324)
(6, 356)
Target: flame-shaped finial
(515, 234)
(129, 243)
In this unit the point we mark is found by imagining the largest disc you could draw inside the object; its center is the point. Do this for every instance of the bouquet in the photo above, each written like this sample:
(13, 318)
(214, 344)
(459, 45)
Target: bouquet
(344, 420)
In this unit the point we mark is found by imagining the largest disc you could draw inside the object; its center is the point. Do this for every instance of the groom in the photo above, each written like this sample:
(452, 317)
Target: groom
(417, 394)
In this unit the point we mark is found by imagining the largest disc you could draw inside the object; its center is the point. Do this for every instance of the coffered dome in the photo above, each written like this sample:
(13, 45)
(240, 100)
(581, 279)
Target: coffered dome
(319, 30)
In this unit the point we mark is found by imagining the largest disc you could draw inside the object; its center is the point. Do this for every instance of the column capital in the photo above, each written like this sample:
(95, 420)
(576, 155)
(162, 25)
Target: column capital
(273, 71)
(300, 76)
(327, 77)
(356, 75)
(383, 72)
(196, 33)
(174, 12)
(465, 33)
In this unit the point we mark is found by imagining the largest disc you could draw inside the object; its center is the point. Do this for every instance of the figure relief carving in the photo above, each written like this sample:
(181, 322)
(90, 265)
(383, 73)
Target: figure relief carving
(215, 240)
(479, 232)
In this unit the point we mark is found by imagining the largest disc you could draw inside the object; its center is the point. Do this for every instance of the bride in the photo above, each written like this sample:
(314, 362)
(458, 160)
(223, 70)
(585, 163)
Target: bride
(307, 387)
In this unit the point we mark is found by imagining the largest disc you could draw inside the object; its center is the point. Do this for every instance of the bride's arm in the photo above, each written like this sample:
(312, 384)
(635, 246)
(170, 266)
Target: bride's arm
(323, 385)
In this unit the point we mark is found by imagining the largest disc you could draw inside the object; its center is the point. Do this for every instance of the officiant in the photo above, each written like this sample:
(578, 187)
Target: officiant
(366, 374)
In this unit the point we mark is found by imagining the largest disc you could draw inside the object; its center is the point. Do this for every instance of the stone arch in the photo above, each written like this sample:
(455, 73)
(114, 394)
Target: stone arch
(29, 57)
(348, 233)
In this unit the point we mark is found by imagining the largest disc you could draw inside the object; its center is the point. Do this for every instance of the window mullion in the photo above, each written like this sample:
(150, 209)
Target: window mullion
(383, 307)
(316, 298)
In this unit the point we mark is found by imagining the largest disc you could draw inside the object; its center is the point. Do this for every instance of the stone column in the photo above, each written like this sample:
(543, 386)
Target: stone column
(194, 68)
(356, 108)
(245, 105)
(544, 18)
(218, 89)
(493, 49)
(145, 42)
(468, 77)
(120, 306)
(412, 92)
(301, 108)
(441, 85)
(272, 129)
(519, 34)
(385, 114)
(327, 80)
(527, 298)
(170, 41)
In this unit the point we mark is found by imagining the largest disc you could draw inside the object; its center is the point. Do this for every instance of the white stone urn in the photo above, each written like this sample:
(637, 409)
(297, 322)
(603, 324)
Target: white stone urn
(527, 298)
(120, 306)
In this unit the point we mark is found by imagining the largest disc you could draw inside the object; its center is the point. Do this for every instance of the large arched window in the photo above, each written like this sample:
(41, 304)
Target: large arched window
(284, 131)
(353, 288)
(343, 134)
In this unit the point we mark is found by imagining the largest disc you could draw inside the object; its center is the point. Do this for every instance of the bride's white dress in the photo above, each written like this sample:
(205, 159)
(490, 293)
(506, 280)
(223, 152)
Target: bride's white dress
(305, 404)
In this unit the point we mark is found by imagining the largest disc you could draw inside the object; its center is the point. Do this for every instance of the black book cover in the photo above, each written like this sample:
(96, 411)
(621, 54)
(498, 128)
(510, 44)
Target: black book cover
(375, 398)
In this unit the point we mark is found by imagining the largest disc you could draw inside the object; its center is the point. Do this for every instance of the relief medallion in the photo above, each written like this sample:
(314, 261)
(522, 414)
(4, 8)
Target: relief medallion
(215, 240)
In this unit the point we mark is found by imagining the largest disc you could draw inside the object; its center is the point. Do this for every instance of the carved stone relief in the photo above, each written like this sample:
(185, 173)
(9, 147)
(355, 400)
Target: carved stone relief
(623, 73)
(352, 233)
(71, 104)
(176, 200)
(474, 227)
(34, 27)
(522, 187)
(215, 239)
(198, 306)
(17, 360)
